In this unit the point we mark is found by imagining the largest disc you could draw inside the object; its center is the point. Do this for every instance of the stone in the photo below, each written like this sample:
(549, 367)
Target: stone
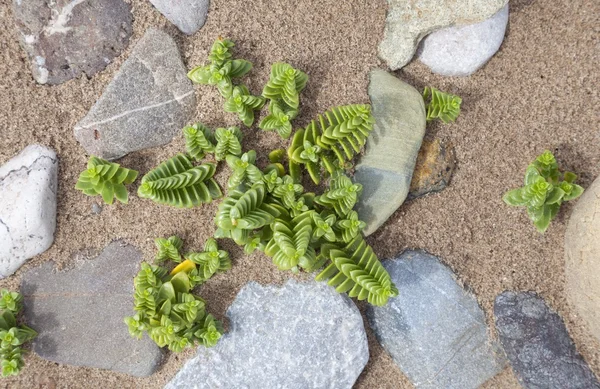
(408, 21)
(385, 170)
(145, 105)
(79, 313)
(462, 50)
(538, 345)
(66, 38)
(299, 335)
(188, 15)
(434, 330)
(582, 251)
(28, 184)
(434, 168)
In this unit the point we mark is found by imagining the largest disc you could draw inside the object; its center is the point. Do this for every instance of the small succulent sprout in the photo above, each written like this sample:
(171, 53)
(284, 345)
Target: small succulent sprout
(287, 191)
(12, 336)
(135, 325)
(272, 180)
(244, 104)
(324, 226)
(441, 105)
(10, 301)
(350, 227)
(220, 51)
(276, 156)
(279, 120)
(243, 170)
(342, 195)
(285, 83)
(290, 246)
(168, 249)
(107, 179)
(255, 242)
(298, 207)
(199, 140)
(211, 260)
(210, 332)
(229, 141)
(307, 153)
(544, 192)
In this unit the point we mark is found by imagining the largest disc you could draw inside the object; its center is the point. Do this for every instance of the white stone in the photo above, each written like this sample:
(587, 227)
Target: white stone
(462, 50)
(188, 15)
(28, 185)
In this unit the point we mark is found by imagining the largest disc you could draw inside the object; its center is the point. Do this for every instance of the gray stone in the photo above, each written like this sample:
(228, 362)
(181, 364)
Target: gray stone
(582, 254)
(65, 38)
(79, 313)
(28, 184)
(300, 335)
(145, 105)
(462, 50)
(408, 21)
(538, 345)
(188, 15)
(386, 168)
(434, 330)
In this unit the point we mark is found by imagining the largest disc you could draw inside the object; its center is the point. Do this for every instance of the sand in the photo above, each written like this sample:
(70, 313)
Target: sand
(538, 92)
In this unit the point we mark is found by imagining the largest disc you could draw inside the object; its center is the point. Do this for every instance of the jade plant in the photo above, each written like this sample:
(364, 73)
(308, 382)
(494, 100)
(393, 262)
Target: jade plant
(545, 189)
(441, 105)
(165, 307)
(107, 179)
(12, 335)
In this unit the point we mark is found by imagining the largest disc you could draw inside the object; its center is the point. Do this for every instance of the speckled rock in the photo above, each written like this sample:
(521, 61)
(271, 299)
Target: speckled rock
(66, 38)
(409, 21)
(462, 50)
(79, 313)
(28, 184)
(145, 105)
(188, 15)
(434, 330)
(434, 168)
(300, 335)
(386, 168)
(582, 254)
(538, 345)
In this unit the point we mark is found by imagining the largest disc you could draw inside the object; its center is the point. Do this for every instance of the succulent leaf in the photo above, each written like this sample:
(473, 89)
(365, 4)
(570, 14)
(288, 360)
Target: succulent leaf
(441, 105)
(107, 179)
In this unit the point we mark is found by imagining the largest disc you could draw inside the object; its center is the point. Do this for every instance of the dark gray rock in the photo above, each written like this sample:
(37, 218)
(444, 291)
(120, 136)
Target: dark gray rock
(538, 345)
(188, 15)
(145, 105)
(434, 330)
(386, 168)
(300, 335)
(66, 38)
(79, 313)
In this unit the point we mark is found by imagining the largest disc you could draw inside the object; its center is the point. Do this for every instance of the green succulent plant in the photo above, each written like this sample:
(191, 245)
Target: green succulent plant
(199, 140)
(324, 223)
(350, 227)
(441, 105)
(342, 195)
(279, 120)
(290, 246)
(244, 104)
(178, 183)
(287, 191)
(107, 179)
(243, 170)
(544, 191)
(229, 141)
(211, 260)
(168, 248)
(276, 156)
(12, 335)
(285, 84)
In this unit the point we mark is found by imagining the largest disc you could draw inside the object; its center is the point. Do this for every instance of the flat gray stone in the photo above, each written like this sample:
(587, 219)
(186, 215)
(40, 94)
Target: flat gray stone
(582, 254)
(386, 168)
(300, 335)
(462, 50)
(28, 185)
(434, 330)
(145, 105)
(408, 21)
(79, 313)
(538, 345)
(188, 15)
(65, 38)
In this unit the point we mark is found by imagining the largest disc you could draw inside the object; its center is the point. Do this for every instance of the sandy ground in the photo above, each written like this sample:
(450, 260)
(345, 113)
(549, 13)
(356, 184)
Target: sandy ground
(538, 92)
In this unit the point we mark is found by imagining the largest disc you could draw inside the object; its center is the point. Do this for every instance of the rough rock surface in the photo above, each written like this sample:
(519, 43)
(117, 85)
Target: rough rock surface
(79, 313)
(188, 15)
(28, 184)
(145, 105)
(462, 50)
(538, 345)
(434, 168)
(409, 21)
(434, 330)
(65, 38)
(582, 258)
(300, 335)
(386, 169)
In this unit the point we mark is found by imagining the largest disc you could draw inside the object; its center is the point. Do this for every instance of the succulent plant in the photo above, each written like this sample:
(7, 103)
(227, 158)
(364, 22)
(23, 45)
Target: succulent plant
(107, 179)
(12, 335)
(441, 105)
